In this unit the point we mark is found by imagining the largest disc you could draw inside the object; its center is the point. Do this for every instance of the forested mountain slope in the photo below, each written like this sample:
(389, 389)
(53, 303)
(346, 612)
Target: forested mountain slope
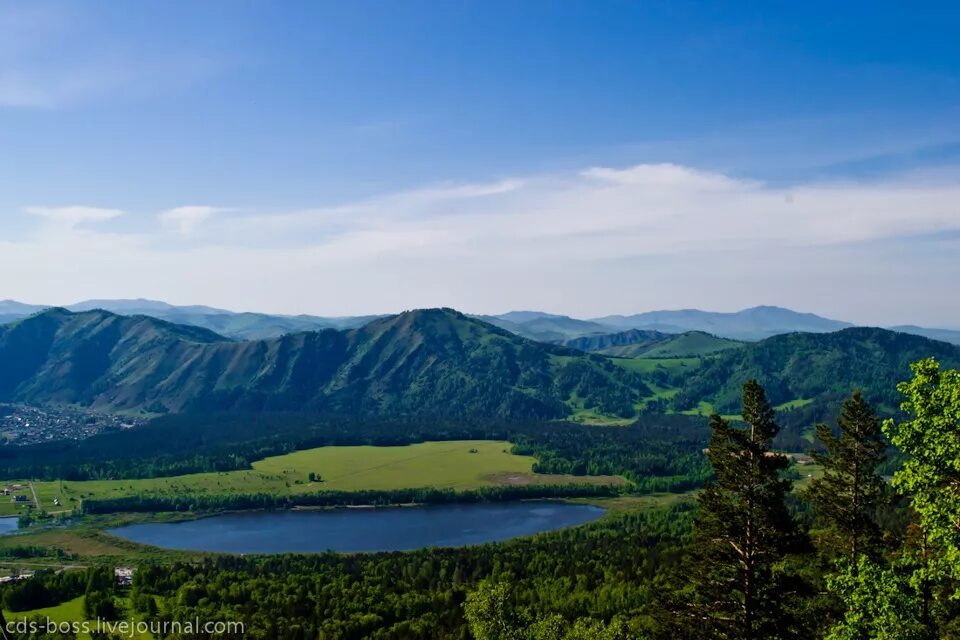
(430, 362)
(814, 368)
(639, 339)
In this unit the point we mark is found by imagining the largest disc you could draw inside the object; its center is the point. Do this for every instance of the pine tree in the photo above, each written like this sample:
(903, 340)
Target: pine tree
(743, 528)
(846, 497)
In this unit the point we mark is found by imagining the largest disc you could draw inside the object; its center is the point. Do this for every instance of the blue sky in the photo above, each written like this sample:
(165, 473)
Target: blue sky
(580, 157)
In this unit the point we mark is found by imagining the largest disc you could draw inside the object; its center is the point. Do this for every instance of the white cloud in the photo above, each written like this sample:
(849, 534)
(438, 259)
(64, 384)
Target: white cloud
(73, 216)
(642, 210)
(185, 220)
(602, 240)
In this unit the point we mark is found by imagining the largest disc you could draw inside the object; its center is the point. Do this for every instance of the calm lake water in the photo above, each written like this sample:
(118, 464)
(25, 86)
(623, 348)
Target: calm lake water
(7, 525)
(352, 530)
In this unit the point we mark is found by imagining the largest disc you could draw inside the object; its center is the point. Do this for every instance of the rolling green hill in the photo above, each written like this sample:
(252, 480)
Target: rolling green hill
(544, 327)
(426, 362)
(608, 343)
(689, 345)
(643, 343)
(813, 370)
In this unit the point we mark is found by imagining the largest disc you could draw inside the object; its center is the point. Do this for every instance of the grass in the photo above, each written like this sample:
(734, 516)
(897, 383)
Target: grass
(808, 472)
(648, 365)
(459, 465)
(591, 417)
(704, 408)
(793, 404)
(691, 344)
(629, 504)
(69, 612)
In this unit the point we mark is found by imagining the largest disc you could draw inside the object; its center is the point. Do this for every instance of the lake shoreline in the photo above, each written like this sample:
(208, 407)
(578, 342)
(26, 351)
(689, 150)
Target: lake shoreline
(366, 530)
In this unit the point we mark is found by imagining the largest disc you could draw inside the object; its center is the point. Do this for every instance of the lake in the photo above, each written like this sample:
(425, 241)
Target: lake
(8, 525)
(355, 530)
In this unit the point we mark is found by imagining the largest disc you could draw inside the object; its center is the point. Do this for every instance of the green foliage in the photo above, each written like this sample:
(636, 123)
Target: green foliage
(881, 604)
(847, 496)
(45, 589)
(743, 527)
(98, 597)
(490, 614)
(823, 368)
(931, 472)
(914, 593)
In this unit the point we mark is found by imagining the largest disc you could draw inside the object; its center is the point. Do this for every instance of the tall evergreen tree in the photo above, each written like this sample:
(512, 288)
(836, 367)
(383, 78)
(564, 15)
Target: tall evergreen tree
(743, 528)
(846, 497)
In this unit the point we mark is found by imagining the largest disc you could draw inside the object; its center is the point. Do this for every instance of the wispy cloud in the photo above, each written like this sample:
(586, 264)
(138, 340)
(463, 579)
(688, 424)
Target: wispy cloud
(73, 216)
(187, 219)
(593, 241)
(650, 209)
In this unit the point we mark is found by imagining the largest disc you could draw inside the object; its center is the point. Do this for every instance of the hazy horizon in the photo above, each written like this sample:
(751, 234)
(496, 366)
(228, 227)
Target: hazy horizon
(592, 316)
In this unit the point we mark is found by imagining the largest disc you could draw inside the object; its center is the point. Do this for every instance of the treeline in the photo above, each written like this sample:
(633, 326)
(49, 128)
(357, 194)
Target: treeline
(18, 552)
(97, 585)
(149, 502)
(45, 588)
(663, 446)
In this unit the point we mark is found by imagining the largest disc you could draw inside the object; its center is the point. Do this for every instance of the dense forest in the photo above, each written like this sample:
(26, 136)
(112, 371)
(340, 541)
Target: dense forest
(654, 446)
(819, 368)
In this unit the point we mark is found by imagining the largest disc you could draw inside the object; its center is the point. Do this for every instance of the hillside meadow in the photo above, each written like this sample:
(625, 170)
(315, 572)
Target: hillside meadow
(458, 465)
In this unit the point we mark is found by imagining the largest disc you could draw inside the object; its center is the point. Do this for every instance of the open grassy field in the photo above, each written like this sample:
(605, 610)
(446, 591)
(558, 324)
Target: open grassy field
(460, 465)
(648, 365)
(70, 612)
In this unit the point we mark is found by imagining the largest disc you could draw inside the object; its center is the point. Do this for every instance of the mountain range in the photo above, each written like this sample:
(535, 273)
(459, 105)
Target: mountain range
(427, 362)
(232, 324)
(438, 362)
(749, 324)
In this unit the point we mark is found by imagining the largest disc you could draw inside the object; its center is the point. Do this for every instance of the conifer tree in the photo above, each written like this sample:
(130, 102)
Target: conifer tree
(846, 497)
(743, 528)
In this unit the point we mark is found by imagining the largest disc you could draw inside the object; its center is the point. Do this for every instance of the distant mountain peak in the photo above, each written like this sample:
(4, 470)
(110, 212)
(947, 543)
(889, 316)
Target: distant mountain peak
(748, 324)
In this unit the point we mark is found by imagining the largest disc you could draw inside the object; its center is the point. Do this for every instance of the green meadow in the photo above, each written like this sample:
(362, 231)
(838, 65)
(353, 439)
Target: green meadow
(648, 365)
(459, 465)
(70, 612)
